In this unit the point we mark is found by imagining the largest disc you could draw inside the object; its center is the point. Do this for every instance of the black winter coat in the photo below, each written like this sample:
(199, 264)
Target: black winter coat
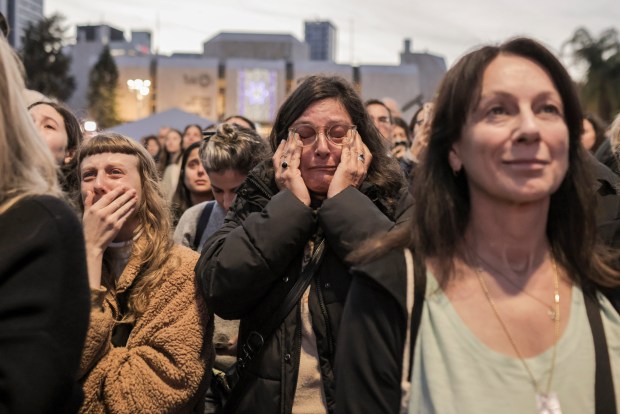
(249, 265)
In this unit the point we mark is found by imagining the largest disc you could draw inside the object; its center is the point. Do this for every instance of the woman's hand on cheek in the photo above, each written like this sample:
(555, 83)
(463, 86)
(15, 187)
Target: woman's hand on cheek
(104, 218)
(355, 159)
(286, 163)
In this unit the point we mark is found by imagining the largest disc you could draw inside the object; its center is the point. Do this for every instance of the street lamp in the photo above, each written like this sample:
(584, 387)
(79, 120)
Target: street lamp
(141, 88)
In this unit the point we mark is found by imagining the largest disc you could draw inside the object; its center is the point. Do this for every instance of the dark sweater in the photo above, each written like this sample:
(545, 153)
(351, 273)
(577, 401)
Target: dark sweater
(44, 306)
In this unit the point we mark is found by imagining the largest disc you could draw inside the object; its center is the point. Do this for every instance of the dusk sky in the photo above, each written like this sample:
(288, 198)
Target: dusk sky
(369, 32)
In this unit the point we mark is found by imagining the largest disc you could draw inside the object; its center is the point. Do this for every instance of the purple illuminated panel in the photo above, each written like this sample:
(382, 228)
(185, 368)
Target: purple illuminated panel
(256, 94)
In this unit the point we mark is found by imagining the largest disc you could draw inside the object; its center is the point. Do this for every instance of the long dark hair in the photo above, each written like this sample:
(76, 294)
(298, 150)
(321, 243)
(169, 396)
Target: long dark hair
(384, 172)
(181, 200)
(442, 209)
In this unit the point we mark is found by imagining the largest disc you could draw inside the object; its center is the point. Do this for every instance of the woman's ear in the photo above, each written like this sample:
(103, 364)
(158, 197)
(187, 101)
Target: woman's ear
(455, 161)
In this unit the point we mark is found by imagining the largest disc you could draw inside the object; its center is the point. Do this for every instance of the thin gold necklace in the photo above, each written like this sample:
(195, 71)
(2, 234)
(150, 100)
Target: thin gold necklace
(545, 400)
(549, 308)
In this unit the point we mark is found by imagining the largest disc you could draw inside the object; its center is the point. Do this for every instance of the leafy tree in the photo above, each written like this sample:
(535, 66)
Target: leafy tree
(101, 96)
(600, 91)
(47, 68)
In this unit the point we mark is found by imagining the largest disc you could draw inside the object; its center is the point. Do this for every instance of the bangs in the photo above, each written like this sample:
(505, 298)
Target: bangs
(112, 143)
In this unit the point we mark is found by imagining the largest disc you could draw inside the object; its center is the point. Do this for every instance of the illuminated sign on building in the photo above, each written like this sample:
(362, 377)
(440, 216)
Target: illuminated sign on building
(256, 93)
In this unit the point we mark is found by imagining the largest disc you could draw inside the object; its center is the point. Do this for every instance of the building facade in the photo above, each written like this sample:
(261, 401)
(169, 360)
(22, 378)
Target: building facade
(19, 14)
(321, 38)
(239, 73)
(90, 41)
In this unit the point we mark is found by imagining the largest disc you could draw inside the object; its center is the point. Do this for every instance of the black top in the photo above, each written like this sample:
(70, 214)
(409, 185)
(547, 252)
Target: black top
(44, 306)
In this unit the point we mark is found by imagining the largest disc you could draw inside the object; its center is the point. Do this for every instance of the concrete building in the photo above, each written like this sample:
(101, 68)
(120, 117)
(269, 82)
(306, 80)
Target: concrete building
(19, 14)
(239, 73)
(431, 69)
(90, 41)
(321, 37)
(262, 46)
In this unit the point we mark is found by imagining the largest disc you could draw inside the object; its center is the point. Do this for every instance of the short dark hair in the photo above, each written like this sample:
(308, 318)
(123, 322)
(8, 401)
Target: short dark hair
(384, 171)
(379, 102)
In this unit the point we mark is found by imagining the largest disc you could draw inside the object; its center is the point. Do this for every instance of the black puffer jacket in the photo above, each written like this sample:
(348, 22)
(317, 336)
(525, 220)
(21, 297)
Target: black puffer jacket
(248, 267)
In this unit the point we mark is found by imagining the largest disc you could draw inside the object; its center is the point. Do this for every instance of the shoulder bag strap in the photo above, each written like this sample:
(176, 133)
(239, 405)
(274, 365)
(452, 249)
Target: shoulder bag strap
(416, 278)
(405, 382)
(256, 338)
(419, 278)
(604, 397)
(202, 223)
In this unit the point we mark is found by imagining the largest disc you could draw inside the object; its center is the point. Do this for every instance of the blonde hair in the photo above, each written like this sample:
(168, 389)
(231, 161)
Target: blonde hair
(154, 228)
(26, 164)
(614, 137)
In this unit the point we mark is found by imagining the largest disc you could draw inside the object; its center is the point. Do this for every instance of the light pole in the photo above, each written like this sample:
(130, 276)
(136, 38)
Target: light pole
(141, 88)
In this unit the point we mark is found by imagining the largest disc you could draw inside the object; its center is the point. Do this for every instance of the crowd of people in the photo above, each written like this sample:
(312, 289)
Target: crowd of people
(352, 261)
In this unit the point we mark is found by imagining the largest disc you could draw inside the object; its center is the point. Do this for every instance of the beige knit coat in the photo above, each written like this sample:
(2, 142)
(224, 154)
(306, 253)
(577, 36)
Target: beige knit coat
(162, 367)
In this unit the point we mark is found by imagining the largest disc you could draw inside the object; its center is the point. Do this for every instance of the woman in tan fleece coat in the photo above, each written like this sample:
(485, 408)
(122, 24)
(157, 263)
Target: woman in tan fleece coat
(149, 340)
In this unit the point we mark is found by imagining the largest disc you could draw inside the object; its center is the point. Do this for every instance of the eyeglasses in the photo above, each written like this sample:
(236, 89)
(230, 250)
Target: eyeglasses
(334, 133)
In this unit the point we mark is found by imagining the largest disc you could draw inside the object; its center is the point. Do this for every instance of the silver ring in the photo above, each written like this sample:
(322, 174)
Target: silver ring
(361, 157)
(284, 164)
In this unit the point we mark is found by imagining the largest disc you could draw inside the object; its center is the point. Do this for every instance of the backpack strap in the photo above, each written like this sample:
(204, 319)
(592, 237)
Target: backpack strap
(202, 223)
(604, 396)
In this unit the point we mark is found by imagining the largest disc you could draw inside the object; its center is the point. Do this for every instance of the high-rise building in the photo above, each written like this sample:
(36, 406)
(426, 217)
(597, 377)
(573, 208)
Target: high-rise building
(20, 13)
(321, 36)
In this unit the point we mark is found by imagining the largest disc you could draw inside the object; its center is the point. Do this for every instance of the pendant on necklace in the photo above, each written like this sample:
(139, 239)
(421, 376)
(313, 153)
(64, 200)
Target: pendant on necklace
(548, 403)
(551, 314)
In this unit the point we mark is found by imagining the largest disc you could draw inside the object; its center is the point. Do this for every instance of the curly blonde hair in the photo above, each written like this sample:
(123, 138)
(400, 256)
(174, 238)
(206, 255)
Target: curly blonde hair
(154, 228)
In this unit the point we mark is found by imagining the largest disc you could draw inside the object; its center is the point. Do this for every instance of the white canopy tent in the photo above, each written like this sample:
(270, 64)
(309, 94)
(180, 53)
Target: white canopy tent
(174, 118)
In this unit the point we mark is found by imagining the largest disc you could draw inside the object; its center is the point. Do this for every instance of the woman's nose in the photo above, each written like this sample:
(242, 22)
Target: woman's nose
(322, 146)
(100, 184)
(528, 128)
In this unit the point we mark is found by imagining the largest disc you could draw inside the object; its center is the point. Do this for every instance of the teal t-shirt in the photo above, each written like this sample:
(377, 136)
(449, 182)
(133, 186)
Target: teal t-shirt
(454, 372)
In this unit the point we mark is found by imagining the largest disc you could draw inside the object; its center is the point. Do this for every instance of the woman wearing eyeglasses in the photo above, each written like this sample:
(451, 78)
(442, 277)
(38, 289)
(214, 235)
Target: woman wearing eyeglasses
(329, 185)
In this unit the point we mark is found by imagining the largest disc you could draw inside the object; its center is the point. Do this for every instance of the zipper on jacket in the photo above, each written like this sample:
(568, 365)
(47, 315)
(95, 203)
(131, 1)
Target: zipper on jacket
(328, 330)
(261, 187)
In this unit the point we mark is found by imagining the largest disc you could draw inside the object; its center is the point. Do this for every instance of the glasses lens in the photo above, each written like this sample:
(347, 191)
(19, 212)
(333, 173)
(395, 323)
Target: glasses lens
(306, 134)
(337, 133)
